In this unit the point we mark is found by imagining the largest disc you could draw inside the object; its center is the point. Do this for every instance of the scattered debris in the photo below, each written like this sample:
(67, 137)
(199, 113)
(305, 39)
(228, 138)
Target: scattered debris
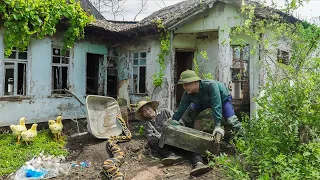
(43, 166)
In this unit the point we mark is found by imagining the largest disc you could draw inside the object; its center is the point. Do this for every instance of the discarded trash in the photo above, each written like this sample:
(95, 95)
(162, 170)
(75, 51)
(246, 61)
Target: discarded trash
(35, 173)
(83, 164)
(43, 167)
(74, 165)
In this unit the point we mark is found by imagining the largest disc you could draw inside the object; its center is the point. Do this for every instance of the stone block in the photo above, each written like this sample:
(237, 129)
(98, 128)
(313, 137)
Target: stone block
(189, 139)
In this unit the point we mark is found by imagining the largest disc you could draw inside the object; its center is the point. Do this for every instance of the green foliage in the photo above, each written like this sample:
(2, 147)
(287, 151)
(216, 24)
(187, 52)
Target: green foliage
(204, 56)
(282, 140)
(13, 156)
(141, 130)
(39, 18)
(164, 52)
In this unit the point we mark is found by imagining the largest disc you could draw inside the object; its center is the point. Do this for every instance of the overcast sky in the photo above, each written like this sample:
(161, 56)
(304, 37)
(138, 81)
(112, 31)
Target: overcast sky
(310, 10)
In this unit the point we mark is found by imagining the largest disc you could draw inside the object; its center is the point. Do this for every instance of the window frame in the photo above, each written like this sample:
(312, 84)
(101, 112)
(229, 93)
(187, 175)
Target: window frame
(67, 65)
(280, 56)
(138, 66)
(242, 69)
(16, 61)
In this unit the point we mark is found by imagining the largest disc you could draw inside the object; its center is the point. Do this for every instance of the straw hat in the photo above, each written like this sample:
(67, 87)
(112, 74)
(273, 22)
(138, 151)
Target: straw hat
(153, 104)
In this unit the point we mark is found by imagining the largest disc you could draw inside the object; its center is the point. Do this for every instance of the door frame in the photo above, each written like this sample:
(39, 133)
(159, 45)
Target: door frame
(176, 75)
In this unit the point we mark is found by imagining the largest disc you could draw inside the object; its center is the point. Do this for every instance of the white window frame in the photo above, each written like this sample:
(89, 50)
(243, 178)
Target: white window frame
(15, 62)
(138, 66)
(54, 91)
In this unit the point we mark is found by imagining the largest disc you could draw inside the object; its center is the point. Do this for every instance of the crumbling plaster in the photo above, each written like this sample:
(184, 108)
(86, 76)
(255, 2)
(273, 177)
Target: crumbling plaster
(150, 45)
(39, 105)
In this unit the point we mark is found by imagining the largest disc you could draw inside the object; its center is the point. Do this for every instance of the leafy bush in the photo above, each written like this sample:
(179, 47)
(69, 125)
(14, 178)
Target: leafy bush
(281, 141)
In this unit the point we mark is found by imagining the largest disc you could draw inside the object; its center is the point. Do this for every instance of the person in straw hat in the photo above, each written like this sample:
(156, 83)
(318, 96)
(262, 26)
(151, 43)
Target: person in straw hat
(154, 127)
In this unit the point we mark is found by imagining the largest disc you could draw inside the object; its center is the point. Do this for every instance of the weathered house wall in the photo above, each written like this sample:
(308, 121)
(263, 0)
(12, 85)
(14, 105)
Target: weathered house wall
(151, 45)
(39, 104)
(212, 32)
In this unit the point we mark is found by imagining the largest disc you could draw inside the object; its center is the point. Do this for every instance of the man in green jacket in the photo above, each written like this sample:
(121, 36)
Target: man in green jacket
(203, 94)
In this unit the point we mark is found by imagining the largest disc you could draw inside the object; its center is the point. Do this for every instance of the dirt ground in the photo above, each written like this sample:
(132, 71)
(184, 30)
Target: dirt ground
(141, 162)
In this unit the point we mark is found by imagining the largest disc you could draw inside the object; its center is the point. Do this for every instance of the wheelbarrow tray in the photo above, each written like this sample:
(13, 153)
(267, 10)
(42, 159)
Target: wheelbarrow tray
(101, 116)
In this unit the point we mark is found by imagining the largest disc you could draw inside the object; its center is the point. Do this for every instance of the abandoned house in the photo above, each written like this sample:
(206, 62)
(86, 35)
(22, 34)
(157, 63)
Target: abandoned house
(118, 59)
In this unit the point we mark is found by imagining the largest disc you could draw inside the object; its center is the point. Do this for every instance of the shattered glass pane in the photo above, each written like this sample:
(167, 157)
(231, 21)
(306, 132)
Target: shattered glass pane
(56, 51)
(143, 55)
(65, 60)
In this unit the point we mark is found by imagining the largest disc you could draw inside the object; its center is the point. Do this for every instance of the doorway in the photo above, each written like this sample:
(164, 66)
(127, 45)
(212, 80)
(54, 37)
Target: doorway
(93, 71)
(112, 82)
(183, 61)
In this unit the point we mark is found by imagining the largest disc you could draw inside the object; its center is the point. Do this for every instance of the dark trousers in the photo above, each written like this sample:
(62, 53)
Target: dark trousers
(193, 111)
(165, 152)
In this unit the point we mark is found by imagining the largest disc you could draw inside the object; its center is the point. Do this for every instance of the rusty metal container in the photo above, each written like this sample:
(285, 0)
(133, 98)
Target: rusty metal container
(190, 139)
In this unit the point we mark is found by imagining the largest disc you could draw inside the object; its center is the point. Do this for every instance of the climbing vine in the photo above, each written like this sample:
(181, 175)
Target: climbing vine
(281, 139)
(25, 19)
(164, 52)
(203, 55)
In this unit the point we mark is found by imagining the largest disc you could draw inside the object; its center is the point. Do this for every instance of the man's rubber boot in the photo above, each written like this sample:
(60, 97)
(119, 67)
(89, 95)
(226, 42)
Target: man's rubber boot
(199, 169)
(170, 160)
(236, 125)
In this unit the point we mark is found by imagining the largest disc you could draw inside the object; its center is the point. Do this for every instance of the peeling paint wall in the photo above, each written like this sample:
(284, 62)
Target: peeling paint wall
(39, 105)
(221, 16)
(210, 33)
(150, 45)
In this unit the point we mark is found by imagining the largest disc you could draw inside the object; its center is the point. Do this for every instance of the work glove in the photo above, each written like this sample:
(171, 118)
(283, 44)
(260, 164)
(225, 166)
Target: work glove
(217, 130)
(175, 122)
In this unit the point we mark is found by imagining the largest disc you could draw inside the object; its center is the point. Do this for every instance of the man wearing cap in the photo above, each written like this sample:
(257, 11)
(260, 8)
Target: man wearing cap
(203, 94)
(154, 127)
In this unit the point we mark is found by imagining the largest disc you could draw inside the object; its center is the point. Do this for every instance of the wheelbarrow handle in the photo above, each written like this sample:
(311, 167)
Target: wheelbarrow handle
(69, 92)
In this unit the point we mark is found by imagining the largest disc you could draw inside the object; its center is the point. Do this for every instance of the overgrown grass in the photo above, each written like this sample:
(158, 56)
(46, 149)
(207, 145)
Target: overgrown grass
(13, 156)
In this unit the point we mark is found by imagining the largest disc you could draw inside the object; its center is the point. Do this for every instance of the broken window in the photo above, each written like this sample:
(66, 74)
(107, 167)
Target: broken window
(240, 63)
(239, 71)
(60, 69)
(15, 73)
(283, 57)
(139, 72)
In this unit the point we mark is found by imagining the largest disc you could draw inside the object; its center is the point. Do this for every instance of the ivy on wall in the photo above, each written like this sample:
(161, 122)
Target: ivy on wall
(164, 52)
(24, 19)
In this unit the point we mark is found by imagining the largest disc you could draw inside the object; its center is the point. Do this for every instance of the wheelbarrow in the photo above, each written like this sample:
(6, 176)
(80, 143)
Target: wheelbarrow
(101, 116)
(190, 139)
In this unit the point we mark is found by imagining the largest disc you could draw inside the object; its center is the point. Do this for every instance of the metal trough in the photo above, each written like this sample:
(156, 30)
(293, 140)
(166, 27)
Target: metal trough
(190, 139)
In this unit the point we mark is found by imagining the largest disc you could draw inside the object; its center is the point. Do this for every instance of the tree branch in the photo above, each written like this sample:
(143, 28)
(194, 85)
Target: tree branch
(142, 8)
